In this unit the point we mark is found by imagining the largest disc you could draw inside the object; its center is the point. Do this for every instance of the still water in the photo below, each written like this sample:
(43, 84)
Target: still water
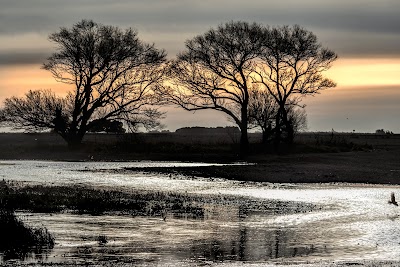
(347, 222)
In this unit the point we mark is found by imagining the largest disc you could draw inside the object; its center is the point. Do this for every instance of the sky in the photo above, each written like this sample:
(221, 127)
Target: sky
(364, 33)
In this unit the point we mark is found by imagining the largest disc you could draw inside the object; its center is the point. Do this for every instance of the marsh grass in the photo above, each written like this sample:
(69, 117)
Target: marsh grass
(17, 239)
(79, 199)
(339, 143)
(86, 200)
(93, 201)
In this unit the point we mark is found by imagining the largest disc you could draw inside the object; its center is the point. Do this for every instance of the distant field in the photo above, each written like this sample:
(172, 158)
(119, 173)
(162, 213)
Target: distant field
(51, 139)
(375, 140)
(52, 146)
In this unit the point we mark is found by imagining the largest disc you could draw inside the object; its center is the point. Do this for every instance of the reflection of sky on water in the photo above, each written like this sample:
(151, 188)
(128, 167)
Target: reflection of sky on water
(350, 222)
(71, 173)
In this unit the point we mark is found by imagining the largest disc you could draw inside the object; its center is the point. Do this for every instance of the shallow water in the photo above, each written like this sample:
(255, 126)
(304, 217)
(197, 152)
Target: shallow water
(350, 222)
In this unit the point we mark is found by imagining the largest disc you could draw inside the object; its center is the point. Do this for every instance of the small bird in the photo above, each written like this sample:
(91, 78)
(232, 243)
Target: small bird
(393, 199)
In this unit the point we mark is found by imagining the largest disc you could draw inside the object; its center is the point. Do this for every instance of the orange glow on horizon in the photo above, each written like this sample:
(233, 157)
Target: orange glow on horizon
(365, 72)
(16, 80)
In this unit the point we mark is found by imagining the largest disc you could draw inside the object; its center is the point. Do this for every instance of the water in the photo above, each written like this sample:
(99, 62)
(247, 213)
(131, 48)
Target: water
(348, 222)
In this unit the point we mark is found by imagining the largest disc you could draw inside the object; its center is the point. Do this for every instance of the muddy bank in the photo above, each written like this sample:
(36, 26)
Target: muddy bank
(375, 167)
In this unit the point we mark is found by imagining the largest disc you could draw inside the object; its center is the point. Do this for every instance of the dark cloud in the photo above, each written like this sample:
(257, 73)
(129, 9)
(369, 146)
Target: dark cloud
(358, 15)
(11, 58)
(352, 28)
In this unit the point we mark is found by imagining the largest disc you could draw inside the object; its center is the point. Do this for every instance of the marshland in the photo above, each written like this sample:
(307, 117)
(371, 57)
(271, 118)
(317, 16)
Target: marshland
(180, 213)
(90, 175)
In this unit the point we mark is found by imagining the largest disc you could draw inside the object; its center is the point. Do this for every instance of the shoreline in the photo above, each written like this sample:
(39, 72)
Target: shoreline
(369, 167)
(315, 158)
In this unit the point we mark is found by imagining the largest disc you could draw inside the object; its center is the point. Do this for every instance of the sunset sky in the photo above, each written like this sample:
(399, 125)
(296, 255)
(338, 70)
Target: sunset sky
(364, 33)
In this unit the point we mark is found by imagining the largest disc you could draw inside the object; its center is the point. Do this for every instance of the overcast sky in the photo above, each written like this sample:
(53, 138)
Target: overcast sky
(365, 30)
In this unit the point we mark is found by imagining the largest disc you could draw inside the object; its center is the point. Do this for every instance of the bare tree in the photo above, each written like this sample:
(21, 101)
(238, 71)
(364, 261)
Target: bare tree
(219, 68)
(112, 73)
(291, 65)
(214, 73)
(35, 111)
(263, 110)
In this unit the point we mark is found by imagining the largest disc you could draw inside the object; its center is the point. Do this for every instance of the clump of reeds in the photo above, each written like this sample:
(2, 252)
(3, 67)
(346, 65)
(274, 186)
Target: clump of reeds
(93, 201)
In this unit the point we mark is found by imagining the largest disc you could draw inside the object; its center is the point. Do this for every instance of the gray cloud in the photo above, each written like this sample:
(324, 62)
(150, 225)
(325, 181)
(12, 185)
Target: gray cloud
(364, 109)
(351, 28)
(360, 15)
(19, 58)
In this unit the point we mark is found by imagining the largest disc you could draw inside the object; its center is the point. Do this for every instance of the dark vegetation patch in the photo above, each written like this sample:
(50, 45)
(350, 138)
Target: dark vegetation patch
(338, 143)
(86, 200)
(92, 201)
(177, 147)
(17, 240)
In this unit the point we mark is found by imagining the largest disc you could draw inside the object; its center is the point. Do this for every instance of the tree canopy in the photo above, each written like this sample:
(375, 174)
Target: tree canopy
(290, 67)
(35, 111)
(112, 75)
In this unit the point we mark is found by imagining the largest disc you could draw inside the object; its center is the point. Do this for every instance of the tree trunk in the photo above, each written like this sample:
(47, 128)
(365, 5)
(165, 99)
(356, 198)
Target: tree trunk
(244, 144)
(244, 139)
(265, 137)
(266, 133)
(74, 141)
(288, 127)
(278, 132)
(290, 133)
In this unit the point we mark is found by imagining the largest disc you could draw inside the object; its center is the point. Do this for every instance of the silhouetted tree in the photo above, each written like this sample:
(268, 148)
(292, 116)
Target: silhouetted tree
(219, 68)
(214, 72)
(112, 73)
(292, 63)
(38, 110)
(263, 110)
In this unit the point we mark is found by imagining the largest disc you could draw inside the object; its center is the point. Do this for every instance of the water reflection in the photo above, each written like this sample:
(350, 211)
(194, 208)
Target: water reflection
(257, 246)
(246, 241)
(344, 222)
(229, 231)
